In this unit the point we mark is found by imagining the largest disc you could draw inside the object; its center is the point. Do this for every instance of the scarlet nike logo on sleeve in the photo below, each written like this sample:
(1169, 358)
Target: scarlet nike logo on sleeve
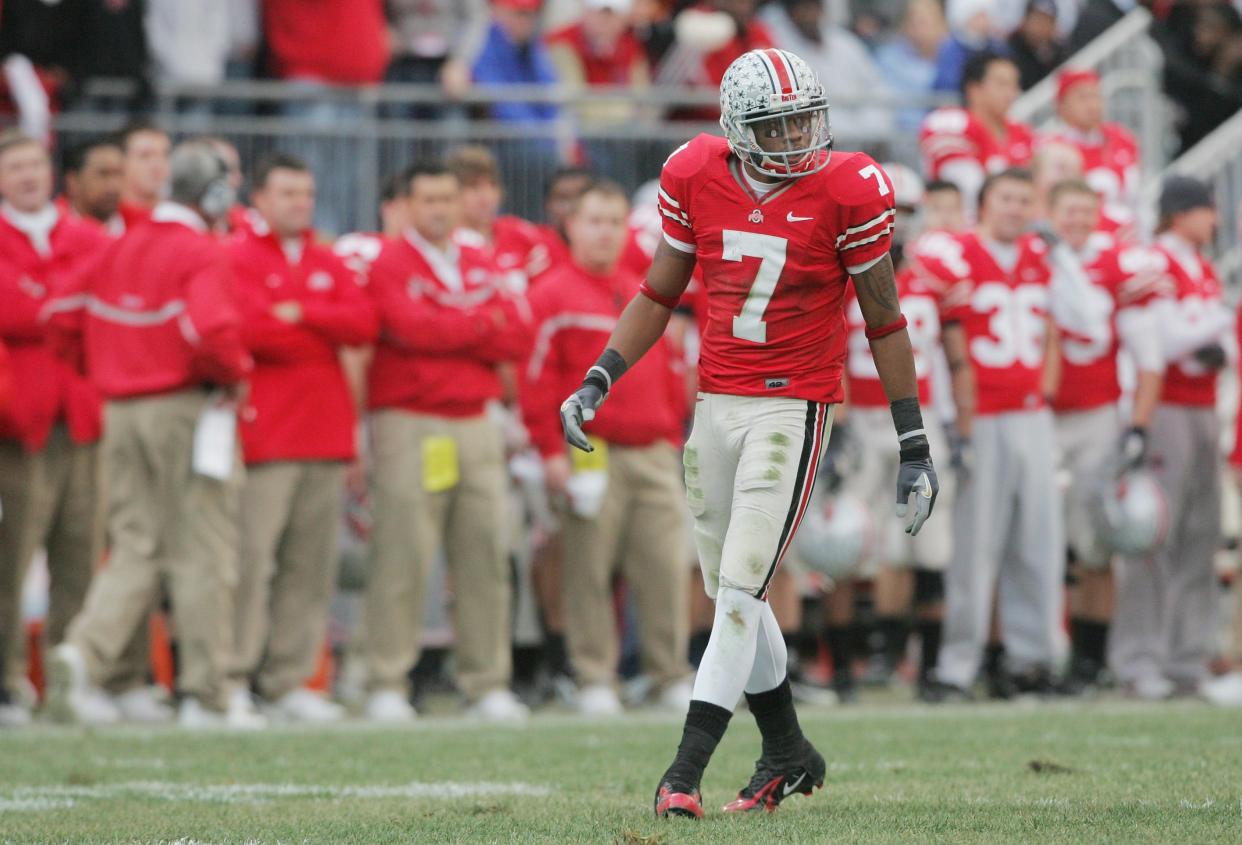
(793, 218)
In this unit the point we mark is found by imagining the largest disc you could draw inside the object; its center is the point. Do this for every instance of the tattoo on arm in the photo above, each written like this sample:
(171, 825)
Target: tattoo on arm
(877, 292)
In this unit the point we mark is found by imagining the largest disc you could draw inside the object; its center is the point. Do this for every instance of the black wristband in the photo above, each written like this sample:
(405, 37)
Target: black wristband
(605, 372)
(908, 420)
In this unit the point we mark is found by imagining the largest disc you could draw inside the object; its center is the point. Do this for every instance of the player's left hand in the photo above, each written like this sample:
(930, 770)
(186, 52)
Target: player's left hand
(578, 409)
(917, 488)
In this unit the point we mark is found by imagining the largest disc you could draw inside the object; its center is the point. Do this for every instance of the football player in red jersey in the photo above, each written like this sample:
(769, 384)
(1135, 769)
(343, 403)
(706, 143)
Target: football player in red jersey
(779, 225)
(998, 294)
(1110, 154)
(1093, 443)
(964, 145)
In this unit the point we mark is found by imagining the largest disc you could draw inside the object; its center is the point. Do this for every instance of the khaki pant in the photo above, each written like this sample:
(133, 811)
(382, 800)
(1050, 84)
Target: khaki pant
(412, 524)
(290, 516)
(639, 531)
(50, 499)
(166, 524)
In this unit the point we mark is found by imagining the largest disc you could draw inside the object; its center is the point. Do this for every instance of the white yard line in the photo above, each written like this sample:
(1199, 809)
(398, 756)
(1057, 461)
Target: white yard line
(43, 798)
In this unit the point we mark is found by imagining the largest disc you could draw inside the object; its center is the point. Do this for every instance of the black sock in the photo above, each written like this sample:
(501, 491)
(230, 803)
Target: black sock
(840, 642)
(929, 648)
(994, 659)
(705, 725)
(555, 655)
(1089, 638)
(778, 723)
(698, 645)
(894, 631)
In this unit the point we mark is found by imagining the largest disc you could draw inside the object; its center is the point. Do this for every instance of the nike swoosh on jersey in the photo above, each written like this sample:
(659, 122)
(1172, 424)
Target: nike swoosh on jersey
(793, 218)
(789, 788)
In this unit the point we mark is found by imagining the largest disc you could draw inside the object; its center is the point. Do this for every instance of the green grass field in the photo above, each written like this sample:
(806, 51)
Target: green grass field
(1107, 772)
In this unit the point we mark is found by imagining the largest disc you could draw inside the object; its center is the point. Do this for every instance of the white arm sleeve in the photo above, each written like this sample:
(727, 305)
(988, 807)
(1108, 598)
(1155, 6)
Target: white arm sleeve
(1179, 338)
(33, 109)
(1073, 306)
(1139, 330)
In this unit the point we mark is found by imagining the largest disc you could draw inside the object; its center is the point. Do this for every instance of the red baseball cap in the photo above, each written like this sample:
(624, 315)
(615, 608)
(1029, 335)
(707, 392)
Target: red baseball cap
(1069, 78)
(519, 5)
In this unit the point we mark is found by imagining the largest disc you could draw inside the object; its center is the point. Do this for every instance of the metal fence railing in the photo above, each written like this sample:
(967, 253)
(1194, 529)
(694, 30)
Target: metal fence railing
(354, 137)
(1129, 63)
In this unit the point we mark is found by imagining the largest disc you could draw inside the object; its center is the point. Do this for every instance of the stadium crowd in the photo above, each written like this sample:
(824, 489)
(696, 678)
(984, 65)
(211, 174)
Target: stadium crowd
(207, 408)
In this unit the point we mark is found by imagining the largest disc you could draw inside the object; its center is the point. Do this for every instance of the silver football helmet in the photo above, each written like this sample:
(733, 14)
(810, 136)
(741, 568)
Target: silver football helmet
(836, 535)
(1135, 515)
(774, 113)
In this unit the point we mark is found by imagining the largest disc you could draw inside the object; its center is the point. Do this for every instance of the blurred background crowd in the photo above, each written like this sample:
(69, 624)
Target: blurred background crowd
(399, 533)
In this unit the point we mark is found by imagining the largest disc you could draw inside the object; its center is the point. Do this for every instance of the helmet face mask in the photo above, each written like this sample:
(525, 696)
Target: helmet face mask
(775, 115)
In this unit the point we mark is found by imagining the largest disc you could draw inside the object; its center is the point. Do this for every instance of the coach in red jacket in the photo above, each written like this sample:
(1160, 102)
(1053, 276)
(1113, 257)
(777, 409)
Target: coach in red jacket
(625, 506)
(48, 435)
(299, 305)
(163, 344)
(439, 476)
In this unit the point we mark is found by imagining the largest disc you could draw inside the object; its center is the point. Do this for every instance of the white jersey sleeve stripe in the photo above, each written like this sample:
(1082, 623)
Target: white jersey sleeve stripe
(862, 227)
(664, 196)
(865, 241)
(680, 245)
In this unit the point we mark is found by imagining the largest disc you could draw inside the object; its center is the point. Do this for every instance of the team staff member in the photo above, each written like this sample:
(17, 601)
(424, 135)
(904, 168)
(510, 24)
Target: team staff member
(299, 304)
(637, 523)
(439, 477)
(93, 173)
(48, 437)
(164, 347)
(1163, 630)
(145, 170)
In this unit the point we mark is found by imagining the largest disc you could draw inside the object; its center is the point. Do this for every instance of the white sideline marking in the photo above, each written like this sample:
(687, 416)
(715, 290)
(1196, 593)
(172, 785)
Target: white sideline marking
(41, 798)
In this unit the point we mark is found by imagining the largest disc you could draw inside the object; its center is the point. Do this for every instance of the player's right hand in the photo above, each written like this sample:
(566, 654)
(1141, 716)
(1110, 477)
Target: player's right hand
(1132, 449)
(961, 455)
(578, 409)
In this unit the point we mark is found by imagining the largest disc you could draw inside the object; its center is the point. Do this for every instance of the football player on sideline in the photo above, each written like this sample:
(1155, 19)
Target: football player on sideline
(778, 225)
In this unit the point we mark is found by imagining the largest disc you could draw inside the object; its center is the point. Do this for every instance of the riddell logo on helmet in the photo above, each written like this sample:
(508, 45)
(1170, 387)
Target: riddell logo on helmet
(787, 97)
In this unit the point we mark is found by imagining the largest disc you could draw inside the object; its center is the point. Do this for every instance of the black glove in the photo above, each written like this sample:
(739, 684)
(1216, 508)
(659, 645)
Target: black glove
(961, 455)
(1211, 356)
(580, 408)
(1132, 448)
(917, 486)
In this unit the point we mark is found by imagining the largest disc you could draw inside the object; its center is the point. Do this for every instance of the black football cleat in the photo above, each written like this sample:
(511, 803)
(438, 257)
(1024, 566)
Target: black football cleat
(675, 800)
(770, 786)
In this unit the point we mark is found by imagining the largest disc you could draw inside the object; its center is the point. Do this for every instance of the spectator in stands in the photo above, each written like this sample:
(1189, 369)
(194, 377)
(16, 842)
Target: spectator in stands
(170, 383)
(623, 507)
(1110, 153)
(439, 476)
(48, 437)
(965, 145)
(1095, 17)
(849, 75)
(1164, 627)
(600, 48)
(315, 44)
(512, 54)
(1007, 15)
(190, 41)
(145, 176)
(908, 61)
(113, 45)
(517, 246)
(93, 174)
(709, 36)
(299, 304)
(1036, 47)
(429, 39)
(1202, 46)
(972, 31)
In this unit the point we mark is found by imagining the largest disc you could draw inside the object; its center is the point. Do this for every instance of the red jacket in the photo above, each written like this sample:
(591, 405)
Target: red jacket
(575, 312)
(340, 41)
(46, 389)
(299, 406)
(160, 313)
(438, 346)
(6, 379)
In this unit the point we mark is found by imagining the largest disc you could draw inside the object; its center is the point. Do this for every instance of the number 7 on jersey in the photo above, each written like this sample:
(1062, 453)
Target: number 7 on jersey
(770, 250)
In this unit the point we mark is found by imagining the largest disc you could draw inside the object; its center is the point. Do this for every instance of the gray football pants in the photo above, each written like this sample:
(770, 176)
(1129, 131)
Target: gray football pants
(1009, 540)
(1165, 613)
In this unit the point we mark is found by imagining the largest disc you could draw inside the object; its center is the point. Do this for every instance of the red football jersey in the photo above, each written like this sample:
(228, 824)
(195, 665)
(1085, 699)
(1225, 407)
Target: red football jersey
(921, 310)
(1123, 276)
(1003, 311)
(775, 266)
(952, 133)
(518, 248)
(1196, 288)
(1110, 165)
(359, 250)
